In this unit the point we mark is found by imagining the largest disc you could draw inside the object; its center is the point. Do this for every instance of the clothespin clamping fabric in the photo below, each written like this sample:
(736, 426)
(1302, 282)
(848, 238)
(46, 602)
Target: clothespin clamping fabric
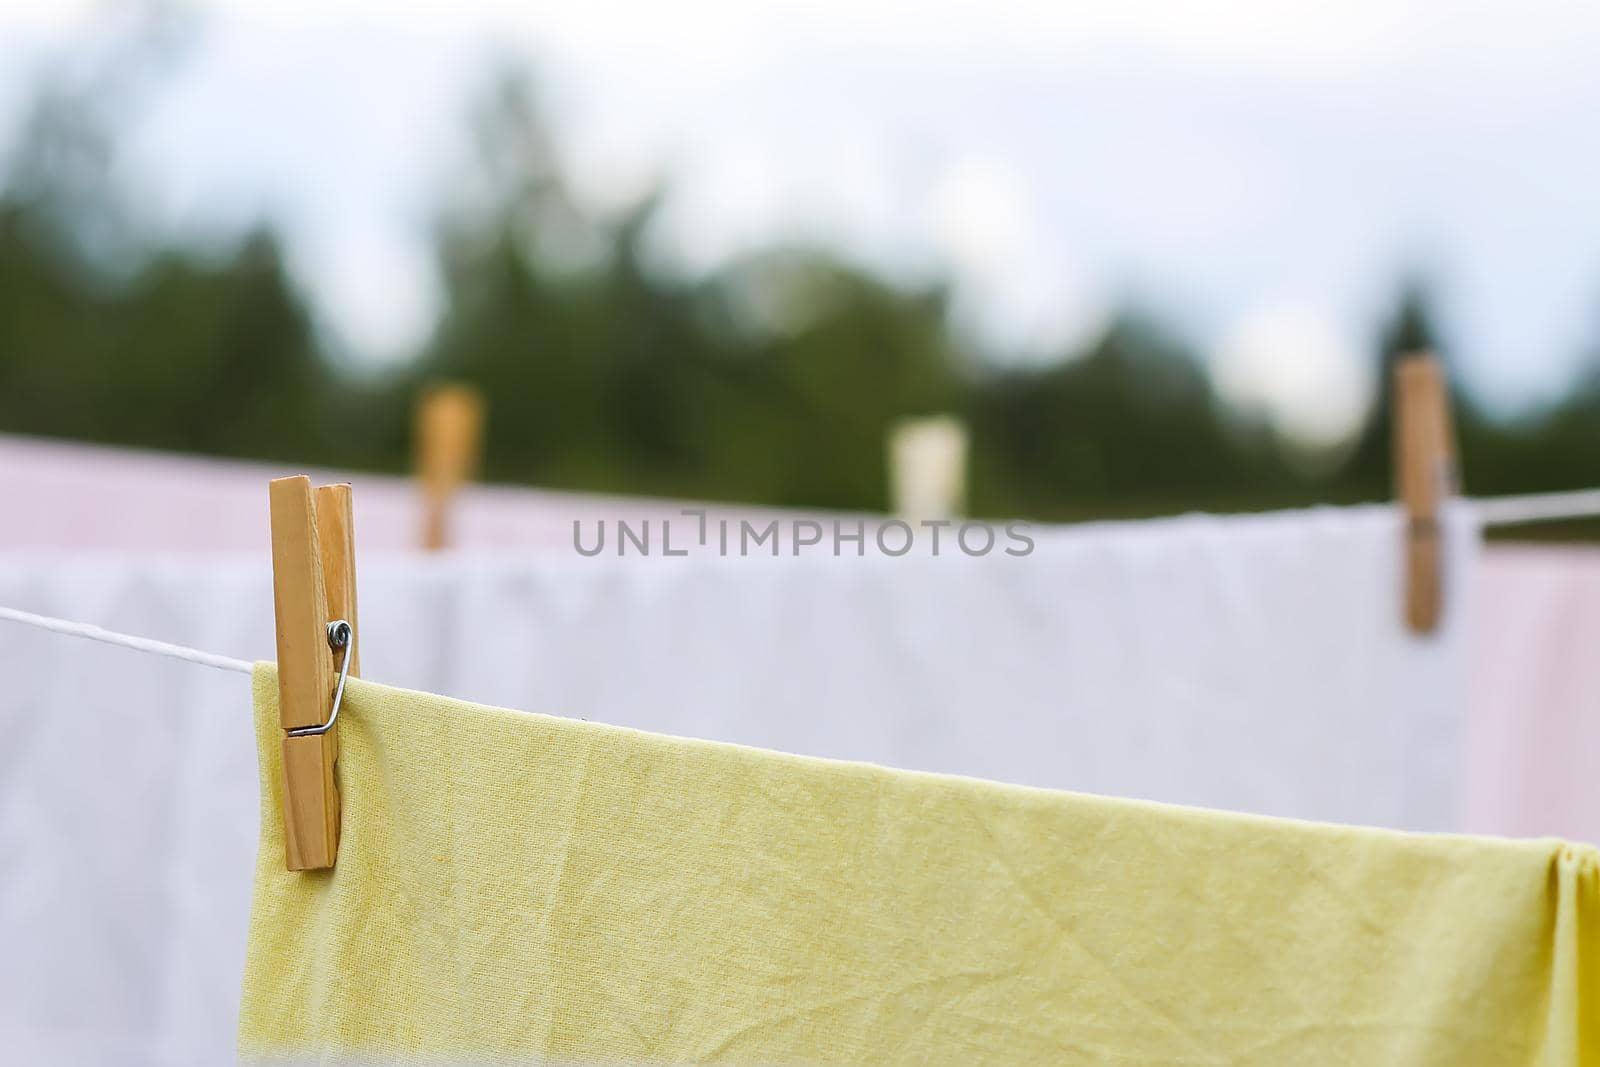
(1425, 478)
(449, 440)
(314, 597)
(928, 468)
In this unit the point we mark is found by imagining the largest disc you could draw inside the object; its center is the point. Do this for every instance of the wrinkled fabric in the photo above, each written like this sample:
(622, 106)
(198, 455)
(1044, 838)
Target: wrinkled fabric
(1533, 726)
(532, 888)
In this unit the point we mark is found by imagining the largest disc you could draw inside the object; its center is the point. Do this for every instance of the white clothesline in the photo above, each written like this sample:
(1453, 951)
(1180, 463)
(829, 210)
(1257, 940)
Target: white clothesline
(1537, 507)
(138, 644)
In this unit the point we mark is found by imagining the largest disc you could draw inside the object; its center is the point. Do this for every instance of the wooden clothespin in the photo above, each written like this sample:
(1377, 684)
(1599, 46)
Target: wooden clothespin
(449, 438)
(1425, 477)
(928, 468)
(313, 587)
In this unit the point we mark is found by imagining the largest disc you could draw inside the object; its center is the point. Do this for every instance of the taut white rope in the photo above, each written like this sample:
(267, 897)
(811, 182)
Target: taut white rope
(138, 644)
(1538, 507)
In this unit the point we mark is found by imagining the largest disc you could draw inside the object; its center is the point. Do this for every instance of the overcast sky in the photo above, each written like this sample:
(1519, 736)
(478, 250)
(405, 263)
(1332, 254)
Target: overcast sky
(1263, 173)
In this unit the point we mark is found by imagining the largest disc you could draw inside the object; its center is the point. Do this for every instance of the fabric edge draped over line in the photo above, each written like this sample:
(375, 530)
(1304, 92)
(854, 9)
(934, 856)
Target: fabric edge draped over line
(518, 885)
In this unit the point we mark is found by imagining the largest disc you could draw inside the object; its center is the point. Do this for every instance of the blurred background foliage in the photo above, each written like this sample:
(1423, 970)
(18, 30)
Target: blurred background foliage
(772, 381)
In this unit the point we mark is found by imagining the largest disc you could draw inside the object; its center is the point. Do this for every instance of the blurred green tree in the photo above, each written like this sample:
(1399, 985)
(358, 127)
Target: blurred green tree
(773, 381)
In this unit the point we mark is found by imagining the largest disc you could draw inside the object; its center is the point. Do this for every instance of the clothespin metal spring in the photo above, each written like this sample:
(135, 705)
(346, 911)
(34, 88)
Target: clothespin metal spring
(341, 637)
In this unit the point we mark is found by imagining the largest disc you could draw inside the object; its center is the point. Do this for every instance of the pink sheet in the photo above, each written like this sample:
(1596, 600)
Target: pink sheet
(68, 496)
(1533, 731)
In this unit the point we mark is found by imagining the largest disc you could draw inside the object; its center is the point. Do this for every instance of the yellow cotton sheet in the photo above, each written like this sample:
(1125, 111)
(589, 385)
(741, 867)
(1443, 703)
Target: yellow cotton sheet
(526, 888)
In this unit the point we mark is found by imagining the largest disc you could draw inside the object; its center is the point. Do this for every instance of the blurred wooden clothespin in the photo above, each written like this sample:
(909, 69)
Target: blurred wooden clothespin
(314, 600)
(928, 468)
(449, 439)
(1425, 478)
